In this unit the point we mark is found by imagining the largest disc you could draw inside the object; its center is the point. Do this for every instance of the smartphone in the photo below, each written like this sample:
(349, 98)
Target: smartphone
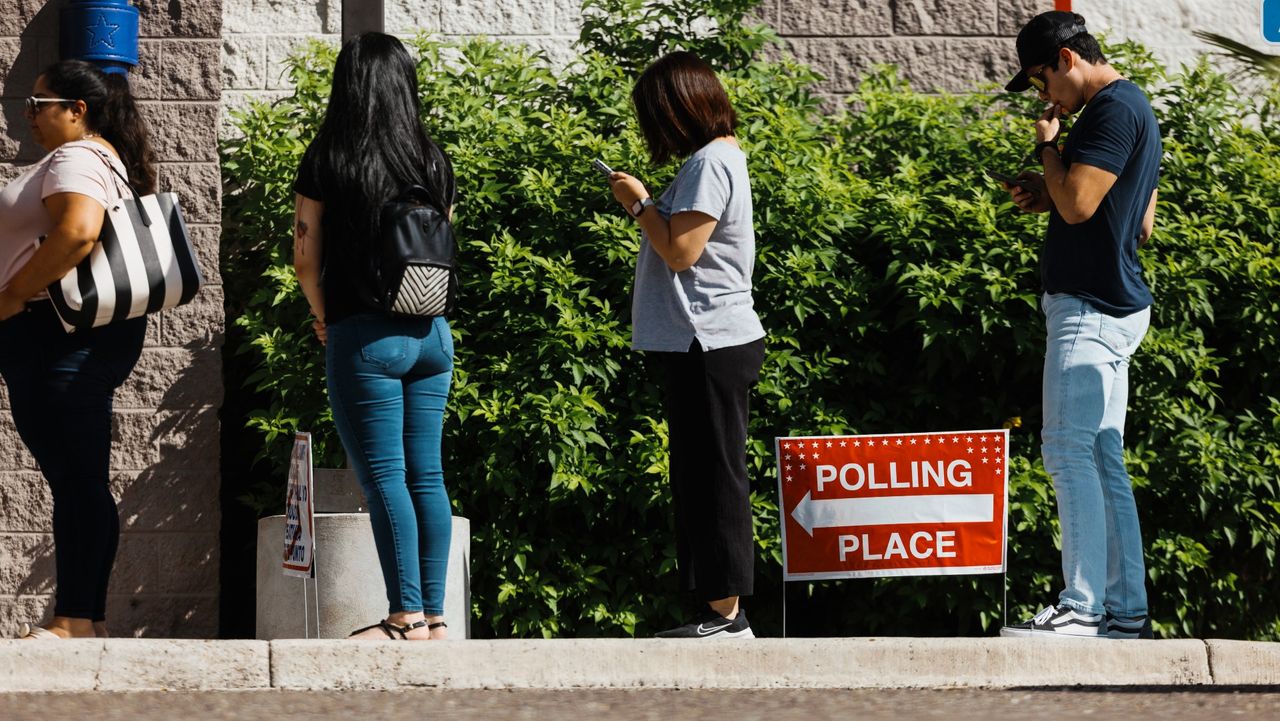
(1010, 180)
(600, 167)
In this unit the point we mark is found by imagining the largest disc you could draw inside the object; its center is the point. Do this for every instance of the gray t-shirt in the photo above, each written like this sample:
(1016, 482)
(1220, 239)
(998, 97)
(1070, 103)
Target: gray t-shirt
(711, 301)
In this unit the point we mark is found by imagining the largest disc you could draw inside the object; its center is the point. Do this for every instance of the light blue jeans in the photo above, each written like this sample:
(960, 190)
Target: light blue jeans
(1086, 389)
(389, 380)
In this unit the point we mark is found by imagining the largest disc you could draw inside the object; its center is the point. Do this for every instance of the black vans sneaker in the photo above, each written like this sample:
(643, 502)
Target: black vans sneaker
(1125, 627)
(1060, 622)
(712, 625)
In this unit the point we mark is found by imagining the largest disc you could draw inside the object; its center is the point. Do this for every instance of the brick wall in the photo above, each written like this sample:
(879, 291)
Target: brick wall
(1168, 32)
(940, 44)
(951, 45)
(165, 468)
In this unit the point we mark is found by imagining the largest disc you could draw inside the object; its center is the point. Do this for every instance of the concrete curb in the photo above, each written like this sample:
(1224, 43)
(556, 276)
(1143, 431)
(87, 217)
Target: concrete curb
(134, 665)
(836, 663)
(1244, 663)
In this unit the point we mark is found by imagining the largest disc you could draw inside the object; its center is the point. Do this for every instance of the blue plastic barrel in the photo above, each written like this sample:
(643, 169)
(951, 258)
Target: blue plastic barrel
(104, 32)
(1271, 20)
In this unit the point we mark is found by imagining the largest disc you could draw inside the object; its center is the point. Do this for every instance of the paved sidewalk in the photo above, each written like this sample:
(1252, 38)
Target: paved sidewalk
(836, 663)
(1198, 703)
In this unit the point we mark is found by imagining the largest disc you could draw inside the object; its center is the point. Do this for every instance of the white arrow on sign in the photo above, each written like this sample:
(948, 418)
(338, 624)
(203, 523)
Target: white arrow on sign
(893, 510)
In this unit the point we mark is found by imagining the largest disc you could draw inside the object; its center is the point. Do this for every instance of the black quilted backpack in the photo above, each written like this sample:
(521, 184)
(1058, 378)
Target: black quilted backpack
(412, 271)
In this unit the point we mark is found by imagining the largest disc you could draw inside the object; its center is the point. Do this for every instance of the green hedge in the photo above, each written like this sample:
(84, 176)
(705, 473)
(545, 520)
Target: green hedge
(899, 289)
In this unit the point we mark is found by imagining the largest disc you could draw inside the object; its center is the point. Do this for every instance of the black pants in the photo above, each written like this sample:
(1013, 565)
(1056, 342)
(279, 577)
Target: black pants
(60, 390)
(707, 405)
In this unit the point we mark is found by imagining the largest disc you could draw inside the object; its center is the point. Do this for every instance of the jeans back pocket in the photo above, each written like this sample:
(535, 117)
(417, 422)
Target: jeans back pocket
(1122, 335)
(381, 346)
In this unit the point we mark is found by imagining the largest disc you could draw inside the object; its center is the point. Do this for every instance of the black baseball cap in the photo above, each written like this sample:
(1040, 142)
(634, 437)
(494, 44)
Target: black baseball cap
(1039, 40)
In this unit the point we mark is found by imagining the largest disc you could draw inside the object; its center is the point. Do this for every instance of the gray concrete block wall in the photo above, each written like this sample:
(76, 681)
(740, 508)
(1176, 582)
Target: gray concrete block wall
(940, 44)
(259, 34)
(951, 45)
(1168, 32)
(165, 465)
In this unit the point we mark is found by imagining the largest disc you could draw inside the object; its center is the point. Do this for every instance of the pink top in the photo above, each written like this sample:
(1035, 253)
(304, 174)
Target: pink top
(74, 167)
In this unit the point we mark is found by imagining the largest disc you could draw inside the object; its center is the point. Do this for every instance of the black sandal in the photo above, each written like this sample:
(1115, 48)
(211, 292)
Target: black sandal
(392, 629)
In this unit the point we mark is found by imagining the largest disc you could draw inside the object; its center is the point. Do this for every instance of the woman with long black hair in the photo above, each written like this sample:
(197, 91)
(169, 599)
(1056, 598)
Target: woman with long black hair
(388, 377)
(61, 385)
(692, 311)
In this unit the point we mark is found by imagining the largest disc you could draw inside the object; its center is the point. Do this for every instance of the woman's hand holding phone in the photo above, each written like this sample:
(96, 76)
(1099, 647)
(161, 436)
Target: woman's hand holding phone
(626, 189)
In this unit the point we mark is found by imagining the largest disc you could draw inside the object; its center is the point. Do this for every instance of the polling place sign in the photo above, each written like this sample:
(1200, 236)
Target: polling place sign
(910, 504)
(299, 516)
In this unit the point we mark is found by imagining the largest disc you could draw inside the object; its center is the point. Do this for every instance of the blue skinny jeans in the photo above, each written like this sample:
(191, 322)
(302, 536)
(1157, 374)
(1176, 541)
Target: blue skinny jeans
(388, 383)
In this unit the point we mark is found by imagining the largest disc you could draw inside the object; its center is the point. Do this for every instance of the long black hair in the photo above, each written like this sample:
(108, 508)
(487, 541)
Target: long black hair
(112, 113)
(372, 144)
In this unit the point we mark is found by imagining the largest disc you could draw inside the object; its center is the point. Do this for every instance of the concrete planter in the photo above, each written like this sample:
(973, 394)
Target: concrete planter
(348, 577)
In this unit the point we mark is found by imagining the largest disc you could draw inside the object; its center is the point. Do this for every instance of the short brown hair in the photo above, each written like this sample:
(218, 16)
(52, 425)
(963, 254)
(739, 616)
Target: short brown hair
(681, 106)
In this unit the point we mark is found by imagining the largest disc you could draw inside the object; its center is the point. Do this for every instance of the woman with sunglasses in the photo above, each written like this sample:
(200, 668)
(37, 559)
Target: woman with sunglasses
(388, 377)
(61, 384)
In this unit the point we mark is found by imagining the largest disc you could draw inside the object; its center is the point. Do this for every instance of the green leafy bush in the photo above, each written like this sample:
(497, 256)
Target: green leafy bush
(899, 288)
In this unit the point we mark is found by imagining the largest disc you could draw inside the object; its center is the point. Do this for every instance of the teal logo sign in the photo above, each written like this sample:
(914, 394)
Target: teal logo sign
(1271, 20)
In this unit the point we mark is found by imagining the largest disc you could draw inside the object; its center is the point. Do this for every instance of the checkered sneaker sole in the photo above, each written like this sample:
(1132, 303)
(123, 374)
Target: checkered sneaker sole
(1059, 622)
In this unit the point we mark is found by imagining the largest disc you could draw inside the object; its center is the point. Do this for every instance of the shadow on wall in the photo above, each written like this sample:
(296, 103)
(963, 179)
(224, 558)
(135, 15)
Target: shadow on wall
(37, 48)
(165, 581)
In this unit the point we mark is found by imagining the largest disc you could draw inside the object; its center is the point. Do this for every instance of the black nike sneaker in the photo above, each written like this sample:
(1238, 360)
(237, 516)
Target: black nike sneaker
(712, 625)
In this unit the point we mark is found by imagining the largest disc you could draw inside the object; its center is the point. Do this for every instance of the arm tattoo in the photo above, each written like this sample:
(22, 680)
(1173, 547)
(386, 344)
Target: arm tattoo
(301, 234)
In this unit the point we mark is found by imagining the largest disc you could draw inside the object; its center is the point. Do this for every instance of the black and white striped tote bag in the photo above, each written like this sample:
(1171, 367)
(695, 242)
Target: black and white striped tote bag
(143, 262)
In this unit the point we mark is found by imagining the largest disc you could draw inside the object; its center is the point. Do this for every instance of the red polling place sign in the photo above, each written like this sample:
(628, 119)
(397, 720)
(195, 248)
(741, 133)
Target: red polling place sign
(911, 504)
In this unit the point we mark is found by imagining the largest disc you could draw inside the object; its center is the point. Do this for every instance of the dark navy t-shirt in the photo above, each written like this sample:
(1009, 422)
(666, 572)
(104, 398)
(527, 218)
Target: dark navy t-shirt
(1097, 260)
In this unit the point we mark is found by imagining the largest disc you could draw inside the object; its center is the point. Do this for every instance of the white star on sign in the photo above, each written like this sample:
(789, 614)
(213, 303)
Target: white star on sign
(802, 456)
(788, 479)
(913, 441)
(983, 439)
(815, 444)
(885, 442)
(828, 444)
(955, 439)
(928, 441)
(997, 471)
(843, 444)
(815, 456)
(786, 446)
(857, 443)
(984, 459)
(971, 449)
(969, 439)
(899, 442)
(802, 466)
(788, 466)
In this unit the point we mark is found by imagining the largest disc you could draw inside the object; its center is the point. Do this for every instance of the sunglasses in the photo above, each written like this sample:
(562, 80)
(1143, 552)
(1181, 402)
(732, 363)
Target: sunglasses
(34, 103)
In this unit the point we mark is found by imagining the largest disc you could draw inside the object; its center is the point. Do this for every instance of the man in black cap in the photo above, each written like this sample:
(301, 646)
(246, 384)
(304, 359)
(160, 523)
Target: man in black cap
(1099, 189)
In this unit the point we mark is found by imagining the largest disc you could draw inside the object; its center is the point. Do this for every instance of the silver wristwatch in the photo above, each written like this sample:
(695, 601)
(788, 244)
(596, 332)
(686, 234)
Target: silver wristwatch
(638, 207)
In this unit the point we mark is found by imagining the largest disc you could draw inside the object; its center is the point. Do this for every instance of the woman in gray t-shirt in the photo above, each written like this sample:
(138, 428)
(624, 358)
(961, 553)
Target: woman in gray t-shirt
(692, 312)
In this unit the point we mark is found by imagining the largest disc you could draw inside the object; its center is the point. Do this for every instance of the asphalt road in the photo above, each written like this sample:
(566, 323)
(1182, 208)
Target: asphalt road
(652, 705)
